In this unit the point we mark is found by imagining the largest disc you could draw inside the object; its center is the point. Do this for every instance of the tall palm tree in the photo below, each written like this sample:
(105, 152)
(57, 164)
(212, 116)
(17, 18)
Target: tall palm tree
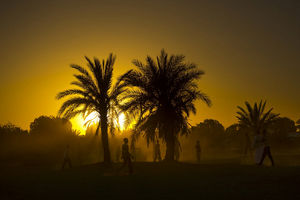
(255, 118)
(94, 93)
(161, 95)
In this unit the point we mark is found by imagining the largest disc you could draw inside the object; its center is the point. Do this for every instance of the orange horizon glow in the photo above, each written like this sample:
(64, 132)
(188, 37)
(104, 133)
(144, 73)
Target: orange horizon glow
(249, 50)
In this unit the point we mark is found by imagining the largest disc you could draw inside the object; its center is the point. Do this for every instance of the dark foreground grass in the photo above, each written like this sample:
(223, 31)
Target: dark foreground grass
(153, 181)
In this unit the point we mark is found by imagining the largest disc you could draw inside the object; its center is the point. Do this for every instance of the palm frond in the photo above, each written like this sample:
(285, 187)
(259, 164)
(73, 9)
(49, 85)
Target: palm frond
(255, 117)
(161, 88)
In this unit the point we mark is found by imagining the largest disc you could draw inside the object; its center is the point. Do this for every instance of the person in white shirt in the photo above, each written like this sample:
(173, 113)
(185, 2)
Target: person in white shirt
(67, 159)
(198, 151)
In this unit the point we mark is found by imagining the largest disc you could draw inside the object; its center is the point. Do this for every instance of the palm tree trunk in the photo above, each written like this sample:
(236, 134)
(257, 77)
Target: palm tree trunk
(97, 130)
(104, 136)
(170, 144)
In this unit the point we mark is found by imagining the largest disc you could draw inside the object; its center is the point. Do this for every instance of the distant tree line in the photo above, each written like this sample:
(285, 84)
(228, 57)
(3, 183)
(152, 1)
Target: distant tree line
(215, 138)
(45, 142)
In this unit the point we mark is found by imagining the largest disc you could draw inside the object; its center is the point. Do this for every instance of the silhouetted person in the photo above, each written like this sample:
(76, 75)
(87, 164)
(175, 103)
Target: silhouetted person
(67, 159)
(157, 154)
(198, 151)
(126, 156)
(177, 150)
(266, 149)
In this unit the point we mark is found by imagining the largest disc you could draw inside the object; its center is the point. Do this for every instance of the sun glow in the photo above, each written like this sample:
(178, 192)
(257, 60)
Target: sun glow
(122, 121)
(81, 124)
(91, 119)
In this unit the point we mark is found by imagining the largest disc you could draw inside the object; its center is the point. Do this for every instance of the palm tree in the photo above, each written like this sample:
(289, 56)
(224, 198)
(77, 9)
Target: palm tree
(94, 93)
(161, 95)
(255, 118)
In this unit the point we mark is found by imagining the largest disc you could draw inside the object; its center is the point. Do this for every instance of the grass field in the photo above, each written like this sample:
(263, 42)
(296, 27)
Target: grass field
(153, 181)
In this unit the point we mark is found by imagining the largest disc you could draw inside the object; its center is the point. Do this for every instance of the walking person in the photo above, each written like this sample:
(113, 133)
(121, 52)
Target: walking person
(67, 159)
(198, 151)
(126, 156)
(266, 149)
(157, 154)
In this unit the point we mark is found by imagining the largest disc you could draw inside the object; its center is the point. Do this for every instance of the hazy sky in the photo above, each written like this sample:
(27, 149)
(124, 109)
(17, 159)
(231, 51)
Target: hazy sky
(250, 50)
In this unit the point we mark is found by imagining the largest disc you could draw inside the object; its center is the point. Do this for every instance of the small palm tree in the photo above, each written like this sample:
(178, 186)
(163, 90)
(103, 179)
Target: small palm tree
(255, 118)
(161, 95)
(94, 93)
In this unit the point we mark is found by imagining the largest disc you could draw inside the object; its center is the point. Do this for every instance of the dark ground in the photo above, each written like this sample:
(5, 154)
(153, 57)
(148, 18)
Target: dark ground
(153, 181)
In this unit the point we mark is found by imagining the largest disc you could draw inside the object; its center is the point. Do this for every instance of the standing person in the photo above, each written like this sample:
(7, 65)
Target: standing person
(126, 156)
(157, 154)
(67, 157)
(198, 151)
(266, 149)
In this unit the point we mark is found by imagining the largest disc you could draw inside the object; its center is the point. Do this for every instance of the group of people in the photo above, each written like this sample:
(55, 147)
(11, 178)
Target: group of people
(260, 144)
(127, 156)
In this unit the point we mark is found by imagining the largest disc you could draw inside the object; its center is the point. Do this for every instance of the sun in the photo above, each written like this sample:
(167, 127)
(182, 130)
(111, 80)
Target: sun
(81, 124)
(122, 121)
(91, 119)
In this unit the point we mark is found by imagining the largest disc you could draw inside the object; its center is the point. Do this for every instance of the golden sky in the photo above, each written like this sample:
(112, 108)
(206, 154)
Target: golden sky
(250, 50)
